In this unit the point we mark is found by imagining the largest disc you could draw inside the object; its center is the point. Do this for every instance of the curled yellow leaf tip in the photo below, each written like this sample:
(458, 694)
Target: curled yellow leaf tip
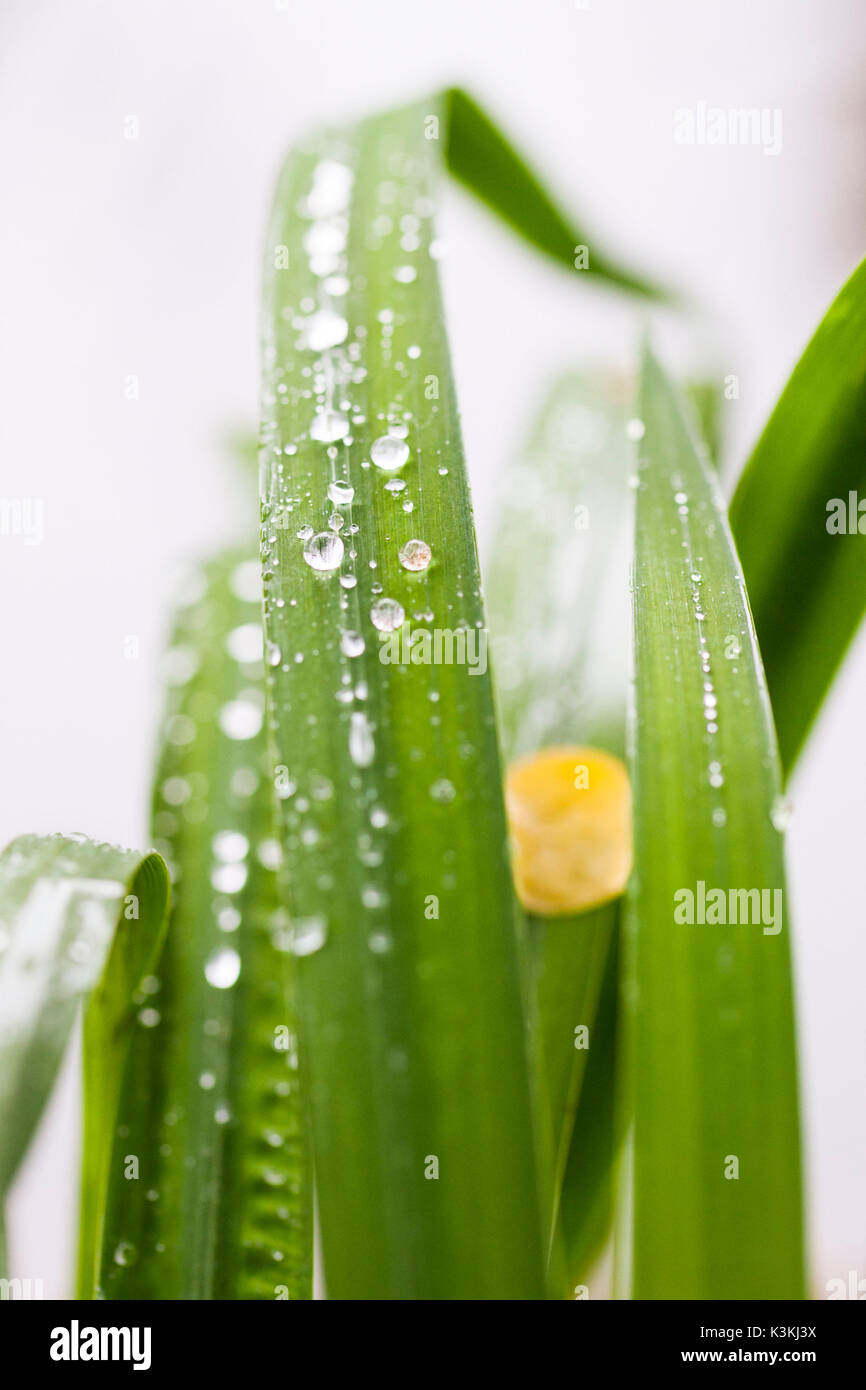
(569, 817)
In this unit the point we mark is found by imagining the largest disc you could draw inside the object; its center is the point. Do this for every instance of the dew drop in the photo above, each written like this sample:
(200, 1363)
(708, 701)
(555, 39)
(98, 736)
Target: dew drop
(328, 426)
(389, 453)
(635, 430)
(781, 813)
(387, 614)
(308, 935)
(405, 274)
(244, 643)
(230, 846)
(341, 493)
(325, 329)
(222, 967)
(362, 748)
(415, 555)
(324, 551)
(240, 719)
(352, 644)
(443, 791)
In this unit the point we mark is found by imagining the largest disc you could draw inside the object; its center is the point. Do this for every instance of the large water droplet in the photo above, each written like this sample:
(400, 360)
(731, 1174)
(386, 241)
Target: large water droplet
(389, 453)
(325, 329)
(230, 846)
(387, 614)
(324, 551)
(328, 426)
(415, 555)
(341, 493)
(222, 967)
(245, 643)
(240, 719)
(308, 935)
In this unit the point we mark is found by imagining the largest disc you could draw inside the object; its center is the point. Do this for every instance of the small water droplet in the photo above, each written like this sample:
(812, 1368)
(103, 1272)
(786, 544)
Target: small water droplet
(781, 812)
(125, 1253)
(635, 430)
(362, 748)
(443, 791)
(352, 644)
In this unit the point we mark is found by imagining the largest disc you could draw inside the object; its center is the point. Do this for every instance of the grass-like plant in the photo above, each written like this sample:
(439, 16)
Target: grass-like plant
(474, 1062)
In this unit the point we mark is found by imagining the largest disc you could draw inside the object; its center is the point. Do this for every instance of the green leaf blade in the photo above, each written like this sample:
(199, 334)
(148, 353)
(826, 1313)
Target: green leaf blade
(81, 922)
(392, 812)
(220, 1205)
(807, 585)
(480, 156)
(711, 1060)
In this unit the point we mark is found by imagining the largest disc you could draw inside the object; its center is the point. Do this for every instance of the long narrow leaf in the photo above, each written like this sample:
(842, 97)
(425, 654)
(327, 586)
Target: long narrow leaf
(210, 1193)
(559, 614)
(797, 519)
(480, 156)
(393, 821)
(81, 921)
(710, 1075)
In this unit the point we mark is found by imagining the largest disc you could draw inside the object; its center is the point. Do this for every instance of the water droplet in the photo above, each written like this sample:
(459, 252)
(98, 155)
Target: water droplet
(324, 551)
(246, 581)
(230, 846)
(387, 614)
(781, 812)
(308, 935)
(395, 485)
(352, 644)
(328, 426)
(415, 555)
(222, 967)
(443, 791)
(341, 493)
(405, 274)
(379, 942)
(207, 1081)
(325, 329)
(635, 430)
(273, 655)
(125, 1253)
(240, 719)
(362, 748)
(149, 1018)
(389, 453)
(245, 643)
(176, 790)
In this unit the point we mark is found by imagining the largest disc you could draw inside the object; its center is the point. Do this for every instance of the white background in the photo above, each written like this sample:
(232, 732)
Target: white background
(140, 257)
